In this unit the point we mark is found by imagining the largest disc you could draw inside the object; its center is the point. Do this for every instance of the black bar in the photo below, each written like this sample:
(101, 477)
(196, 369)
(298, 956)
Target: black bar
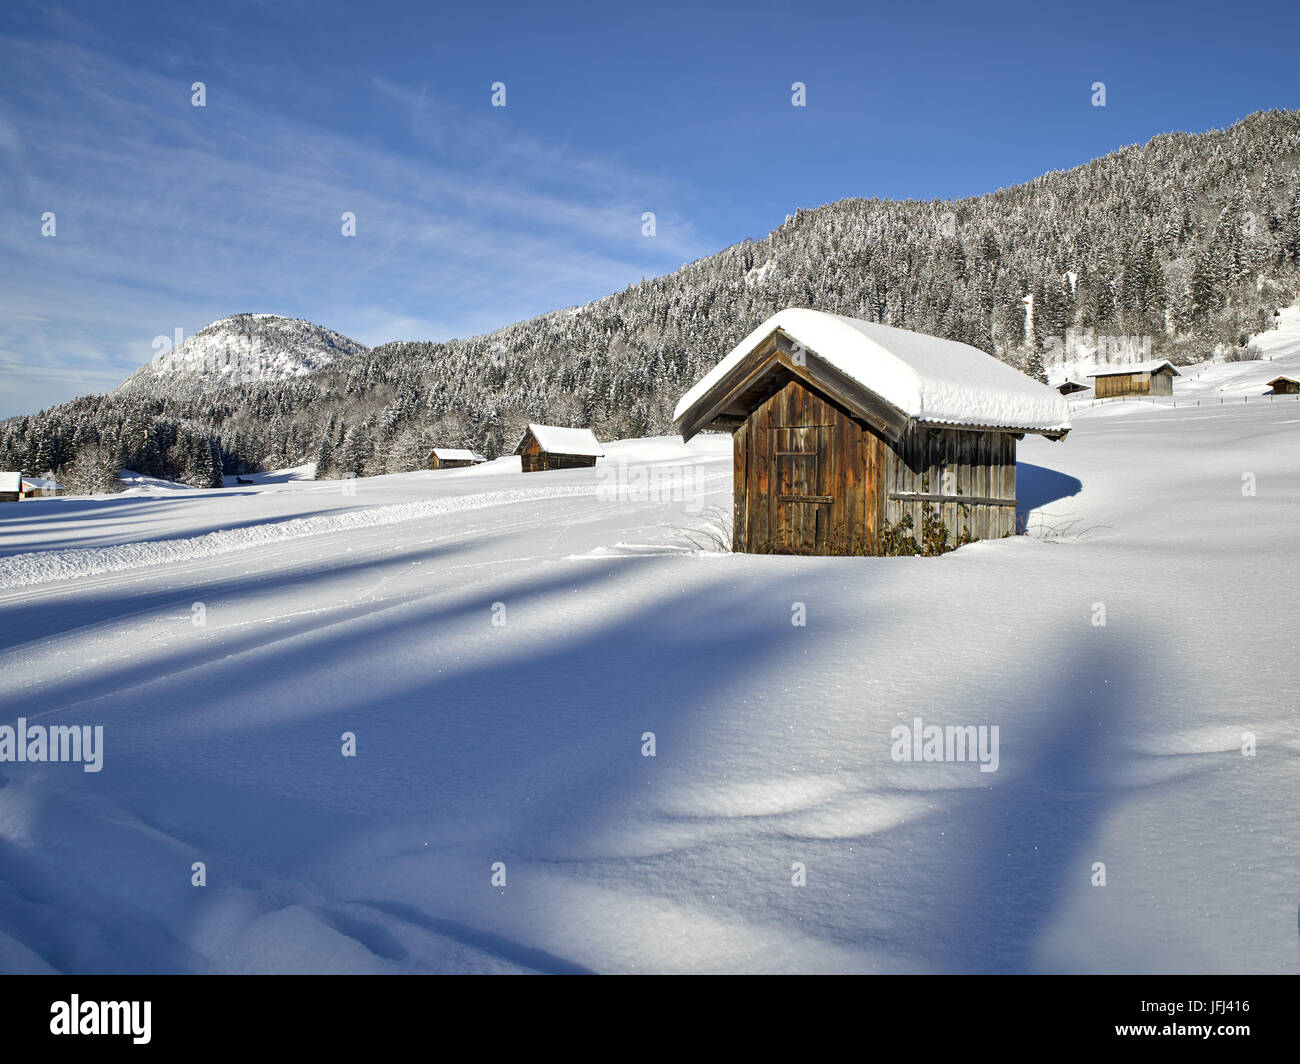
(901, 1015)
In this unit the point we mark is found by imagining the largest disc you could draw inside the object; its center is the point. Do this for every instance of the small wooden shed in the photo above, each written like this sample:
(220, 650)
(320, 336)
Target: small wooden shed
(452, 458)
(1138, 378)
(849, 433)
(1285, 385)
(39, 486)
(11, 486)
(553, 447)
(1069, 387)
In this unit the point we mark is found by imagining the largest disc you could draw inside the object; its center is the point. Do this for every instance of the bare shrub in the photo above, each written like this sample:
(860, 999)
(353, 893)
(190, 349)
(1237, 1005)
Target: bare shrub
(713, 532)
(1249, 353)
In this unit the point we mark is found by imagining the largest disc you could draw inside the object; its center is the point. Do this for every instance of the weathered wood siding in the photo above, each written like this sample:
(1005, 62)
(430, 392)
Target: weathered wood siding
(807, 478)
(531, 457)
(1162, 383)
(977, 497)
(1286, 387)
(1122, 384)
(810, 479)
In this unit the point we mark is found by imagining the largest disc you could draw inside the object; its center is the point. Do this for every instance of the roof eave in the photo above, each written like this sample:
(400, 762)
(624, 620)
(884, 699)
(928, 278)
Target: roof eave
(1015, 430)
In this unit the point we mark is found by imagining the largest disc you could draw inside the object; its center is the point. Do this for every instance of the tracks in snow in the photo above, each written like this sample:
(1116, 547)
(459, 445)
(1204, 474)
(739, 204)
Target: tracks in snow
(25, 570)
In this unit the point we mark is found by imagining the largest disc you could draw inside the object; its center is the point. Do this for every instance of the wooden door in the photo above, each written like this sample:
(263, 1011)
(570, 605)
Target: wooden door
(802, 499)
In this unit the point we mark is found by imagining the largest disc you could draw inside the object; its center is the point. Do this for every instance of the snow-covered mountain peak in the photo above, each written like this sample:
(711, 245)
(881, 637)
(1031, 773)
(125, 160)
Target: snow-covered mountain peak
(243, 348)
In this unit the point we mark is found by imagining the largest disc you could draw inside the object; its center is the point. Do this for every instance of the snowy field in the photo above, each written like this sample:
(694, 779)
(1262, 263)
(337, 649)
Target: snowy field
(521, 741)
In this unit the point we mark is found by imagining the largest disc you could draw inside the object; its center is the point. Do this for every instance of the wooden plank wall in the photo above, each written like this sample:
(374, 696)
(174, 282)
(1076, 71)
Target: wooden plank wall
(531, 457)
(806, 478)
(569, 461)
(1123, 384)
(983, 465)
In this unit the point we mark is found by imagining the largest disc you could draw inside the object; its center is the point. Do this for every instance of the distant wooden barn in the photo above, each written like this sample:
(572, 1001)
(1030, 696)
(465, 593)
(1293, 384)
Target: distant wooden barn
(1285, 385)
(1138, 378)
(11, 487)
(846, 432)
(39, 486)
(552, 447)
(1069, 387)
(452, 458)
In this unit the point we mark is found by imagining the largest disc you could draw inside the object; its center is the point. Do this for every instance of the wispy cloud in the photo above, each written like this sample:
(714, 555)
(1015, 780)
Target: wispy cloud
(170, 215)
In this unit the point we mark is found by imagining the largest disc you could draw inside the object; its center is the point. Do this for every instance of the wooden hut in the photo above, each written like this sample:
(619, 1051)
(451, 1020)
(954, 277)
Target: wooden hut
(11, 487)
(1069, 387)
(551, 447)
(1138, 378)
(452, 458)
(849, 434)
(39, 486)
(1285, 385)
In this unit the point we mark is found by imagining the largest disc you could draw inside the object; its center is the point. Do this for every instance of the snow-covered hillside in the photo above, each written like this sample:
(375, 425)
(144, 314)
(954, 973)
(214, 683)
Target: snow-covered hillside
(1279, 351)
(245, 347)
(502, 646)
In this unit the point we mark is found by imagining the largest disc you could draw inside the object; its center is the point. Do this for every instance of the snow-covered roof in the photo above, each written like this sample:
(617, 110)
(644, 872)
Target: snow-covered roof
(1135, 367)
(11, 481)
(1293, 378)
(39, 483)
(453, 454)
(924, 377)
(556, 440)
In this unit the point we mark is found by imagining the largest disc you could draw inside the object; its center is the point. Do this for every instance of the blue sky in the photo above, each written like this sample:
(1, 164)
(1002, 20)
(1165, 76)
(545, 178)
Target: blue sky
(468, 216)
